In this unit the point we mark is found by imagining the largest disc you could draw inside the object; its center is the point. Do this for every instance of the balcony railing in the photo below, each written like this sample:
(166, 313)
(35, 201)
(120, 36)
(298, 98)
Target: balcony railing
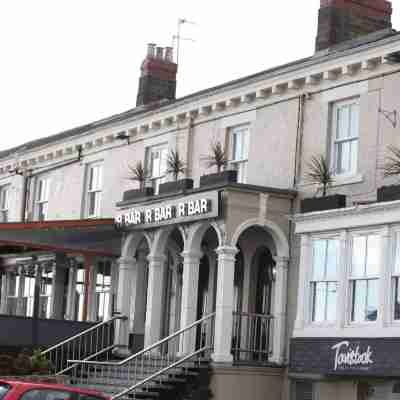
(251, 337)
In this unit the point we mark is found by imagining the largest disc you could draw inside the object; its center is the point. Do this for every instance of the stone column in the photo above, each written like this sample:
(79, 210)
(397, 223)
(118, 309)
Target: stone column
(190, 284)
(4, 293)
(304, 268)
(155, 301)
(280, 314)
(138, 293)
(57, 290)
(71, 295)
(20, 294)
(384, 305)
(124, 294)
(224, 304)
(92, 306)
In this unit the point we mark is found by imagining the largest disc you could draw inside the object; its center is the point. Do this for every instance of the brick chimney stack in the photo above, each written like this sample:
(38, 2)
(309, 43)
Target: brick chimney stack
(341, 20)
(158, 76)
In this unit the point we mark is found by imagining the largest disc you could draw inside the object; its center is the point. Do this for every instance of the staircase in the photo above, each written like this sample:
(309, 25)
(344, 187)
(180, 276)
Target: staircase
(175, 368)
(179, 382)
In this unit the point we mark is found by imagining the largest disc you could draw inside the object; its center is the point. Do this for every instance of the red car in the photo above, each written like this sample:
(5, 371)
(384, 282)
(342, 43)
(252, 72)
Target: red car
(18, 390)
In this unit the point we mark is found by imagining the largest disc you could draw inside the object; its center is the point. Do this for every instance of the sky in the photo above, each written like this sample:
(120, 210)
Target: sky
(65, 63)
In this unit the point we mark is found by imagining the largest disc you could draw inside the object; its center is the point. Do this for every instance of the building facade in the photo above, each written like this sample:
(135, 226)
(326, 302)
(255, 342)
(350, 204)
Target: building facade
(304, 305)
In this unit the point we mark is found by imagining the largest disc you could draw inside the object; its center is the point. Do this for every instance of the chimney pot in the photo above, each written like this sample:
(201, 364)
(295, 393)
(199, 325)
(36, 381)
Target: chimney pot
(169, 54)
(151, 50)
(160, 53)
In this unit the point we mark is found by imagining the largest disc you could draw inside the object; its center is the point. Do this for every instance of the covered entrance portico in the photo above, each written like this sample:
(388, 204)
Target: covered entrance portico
(229, 261)
(57, 278)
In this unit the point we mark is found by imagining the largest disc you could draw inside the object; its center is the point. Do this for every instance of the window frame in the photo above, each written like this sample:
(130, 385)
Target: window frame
(335, 106)
(352, 278)
(156, 179)
(96, 191)
(5, 202)
(310, 280)
(394, 275)
(240, 165)
(42, 203)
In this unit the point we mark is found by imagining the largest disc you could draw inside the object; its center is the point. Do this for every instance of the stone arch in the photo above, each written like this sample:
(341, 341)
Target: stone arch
(132, 243)
(277, 234)
(161, 239)
(197, 232)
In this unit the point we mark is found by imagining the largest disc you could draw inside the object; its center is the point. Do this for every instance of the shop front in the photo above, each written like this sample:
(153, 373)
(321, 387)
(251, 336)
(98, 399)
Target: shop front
(348, 368)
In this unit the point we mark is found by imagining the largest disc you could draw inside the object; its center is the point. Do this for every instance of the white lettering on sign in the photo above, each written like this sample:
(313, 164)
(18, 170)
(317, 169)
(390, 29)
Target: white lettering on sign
(154, 215)
(347, 355)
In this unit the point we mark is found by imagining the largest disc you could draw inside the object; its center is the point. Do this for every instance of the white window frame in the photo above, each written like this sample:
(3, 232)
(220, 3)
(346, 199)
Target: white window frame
(4, 202)
(336, 106)
(311, 281)
(157, 177)
(240, 164)
(94, 190)
(352, 278)
(42, 198)
(103, 290)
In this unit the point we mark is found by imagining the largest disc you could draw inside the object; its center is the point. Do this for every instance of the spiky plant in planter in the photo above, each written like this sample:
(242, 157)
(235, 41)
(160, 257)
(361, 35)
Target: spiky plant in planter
(138, 173)
(391, 168)
(320, 174)
(217, 157)
(175, 165)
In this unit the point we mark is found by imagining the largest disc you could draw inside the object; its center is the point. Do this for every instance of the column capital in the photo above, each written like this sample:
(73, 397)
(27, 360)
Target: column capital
(227, 252)
(126, 260)
(156, 259)
(190, 256)
(281, 261)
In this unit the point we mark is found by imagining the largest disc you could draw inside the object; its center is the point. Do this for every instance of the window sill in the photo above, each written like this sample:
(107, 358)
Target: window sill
(342, 180)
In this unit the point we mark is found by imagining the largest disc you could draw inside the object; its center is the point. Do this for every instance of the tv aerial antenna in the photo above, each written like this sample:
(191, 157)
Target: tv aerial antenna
(178, 37)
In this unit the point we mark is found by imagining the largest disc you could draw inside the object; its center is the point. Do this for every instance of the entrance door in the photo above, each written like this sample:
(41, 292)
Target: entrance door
(203, 298)
(261, 319)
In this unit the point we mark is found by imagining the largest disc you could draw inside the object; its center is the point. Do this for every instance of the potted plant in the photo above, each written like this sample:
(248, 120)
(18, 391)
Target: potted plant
(319, 174)
(138, 173)
(175, 167)
(391, 168)
(218, 158)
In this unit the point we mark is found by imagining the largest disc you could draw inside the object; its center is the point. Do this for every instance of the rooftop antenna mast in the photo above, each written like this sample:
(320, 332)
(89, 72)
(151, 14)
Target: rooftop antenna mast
(177, 38)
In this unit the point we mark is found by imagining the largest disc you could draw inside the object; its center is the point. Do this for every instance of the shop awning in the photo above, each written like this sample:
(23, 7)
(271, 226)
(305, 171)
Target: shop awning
(96, 237)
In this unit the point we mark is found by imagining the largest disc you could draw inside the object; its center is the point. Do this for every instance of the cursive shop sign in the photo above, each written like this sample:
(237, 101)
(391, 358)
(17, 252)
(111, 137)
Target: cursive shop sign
(348, 355)
(186, 209)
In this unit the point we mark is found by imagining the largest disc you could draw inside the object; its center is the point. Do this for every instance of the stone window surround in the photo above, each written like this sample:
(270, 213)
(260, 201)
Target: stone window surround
(327, 225)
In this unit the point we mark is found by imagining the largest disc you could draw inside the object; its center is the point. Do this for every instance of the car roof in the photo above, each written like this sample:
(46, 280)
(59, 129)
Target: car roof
(57, 386)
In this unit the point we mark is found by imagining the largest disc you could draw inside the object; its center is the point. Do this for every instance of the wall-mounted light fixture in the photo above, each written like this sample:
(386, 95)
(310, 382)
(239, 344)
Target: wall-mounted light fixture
(122, 136)
(391, 116)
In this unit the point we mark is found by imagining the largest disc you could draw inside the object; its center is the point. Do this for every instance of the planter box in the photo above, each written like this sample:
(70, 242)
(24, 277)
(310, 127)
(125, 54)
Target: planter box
(219, 178)
(323, 203)
(175, 187)
(388, 193)
(137, 193)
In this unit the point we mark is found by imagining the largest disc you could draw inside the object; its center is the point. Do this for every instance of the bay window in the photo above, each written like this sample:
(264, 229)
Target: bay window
(4, 202)
(324, 284)
(346, 115)
(364, 277)
(103, 290)
(94, 190)
(80, 293)
(46, 286)
(239, 139)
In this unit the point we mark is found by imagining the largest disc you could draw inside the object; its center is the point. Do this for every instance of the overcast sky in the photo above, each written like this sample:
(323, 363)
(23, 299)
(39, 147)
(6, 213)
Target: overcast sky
(69, 62)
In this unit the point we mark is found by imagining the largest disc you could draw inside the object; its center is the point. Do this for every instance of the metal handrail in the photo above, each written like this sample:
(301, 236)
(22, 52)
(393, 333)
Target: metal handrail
(147, 349)
(83, 333)
(160, 372)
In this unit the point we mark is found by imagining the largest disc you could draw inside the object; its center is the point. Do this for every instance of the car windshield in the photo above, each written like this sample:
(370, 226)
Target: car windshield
(4, 388)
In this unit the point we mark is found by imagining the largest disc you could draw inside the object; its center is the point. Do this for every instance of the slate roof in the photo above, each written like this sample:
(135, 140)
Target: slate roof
(324, 55)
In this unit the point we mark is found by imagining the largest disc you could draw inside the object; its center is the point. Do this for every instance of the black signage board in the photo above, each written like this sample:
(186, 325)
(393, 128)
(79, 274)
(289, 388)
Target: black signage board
(379, 357)
(190, 208)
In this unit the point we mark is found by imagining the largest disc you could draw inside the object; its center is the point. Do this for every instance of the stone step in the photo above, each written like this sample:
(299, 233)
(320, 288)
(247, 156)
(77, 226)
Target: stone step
(111, 390)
